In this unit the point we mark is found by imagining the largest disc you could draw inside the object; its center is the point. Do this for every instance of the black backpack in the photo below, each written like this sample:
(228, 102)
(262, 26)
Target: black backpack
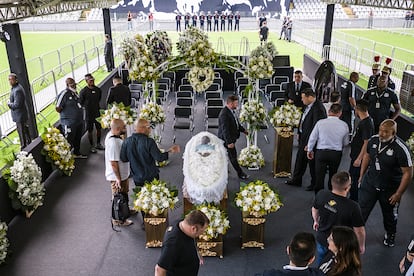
(120, 207)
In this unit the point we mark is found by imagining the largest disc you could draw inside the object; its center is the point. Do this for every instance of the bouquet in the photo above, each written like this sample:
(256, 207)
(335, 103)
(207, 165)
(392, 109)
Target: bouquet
(200, 53)
(267, 50)
(287, 115)
(201, 78)
(24, 179)
(254, 113)
(251, 157)
(153, 113)
(188, 37)
(219, 223)
(4, 242)
(410, 144)
(117, 111)
(155, 197)
(260, 67)
(144, 68)
(128, 49)
(57, 150)
(257, 198)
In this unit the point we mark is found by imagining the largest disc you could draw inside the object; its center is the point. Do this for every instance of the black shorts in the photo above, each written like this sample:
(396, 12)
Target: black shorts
(89, 125)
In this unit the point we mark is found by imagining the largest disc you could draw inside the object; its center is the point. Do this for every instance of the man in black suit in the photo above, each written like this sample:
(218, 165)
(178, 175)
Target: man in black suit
(313, 112)
(119, 93)
(294, 89)
(229, 131)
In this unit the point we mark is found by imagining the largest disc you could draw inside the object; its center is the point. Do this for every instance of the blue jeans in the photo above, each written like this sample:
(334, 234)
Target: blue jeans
(320, 253)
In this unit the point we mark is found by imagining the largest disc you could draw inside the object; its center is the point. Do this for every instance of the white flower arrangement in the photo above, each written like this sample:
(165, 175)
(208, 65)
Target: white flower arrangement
(57, 150)
(267, 50)
(254, 113)
(257, 199)
(200, 53)
(25, 182)
(144, 68)
(153, 113)
(251, 157)
(410, 144)
(219, 222)
(128, 48)
(201, 78)
(117, 111)
(155, 197)
(260, 67)
(188, 37)
(287, 115)
(4, 242)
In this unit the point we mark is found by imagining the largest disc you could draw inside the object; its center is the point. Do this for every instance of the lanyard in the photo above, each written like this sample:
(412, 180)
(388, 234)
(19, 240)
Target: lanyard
(379, 151)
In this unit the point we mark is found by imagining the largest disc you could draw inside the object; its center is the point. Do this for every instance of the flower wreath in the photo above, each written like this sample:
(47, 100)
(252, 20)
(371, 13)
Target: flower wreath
(4, 242)
(201, 78)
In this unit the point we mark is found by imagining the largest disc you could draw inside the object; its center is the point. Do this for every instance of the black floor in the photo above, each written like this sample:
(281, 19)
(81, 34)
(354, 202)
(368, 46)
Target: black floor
(72, 235)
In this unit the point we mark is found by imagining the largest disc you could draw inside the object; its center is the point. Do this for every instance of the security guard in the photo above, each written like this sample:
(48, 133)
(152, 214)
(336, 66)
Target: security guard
(380, 98)
(386, 172)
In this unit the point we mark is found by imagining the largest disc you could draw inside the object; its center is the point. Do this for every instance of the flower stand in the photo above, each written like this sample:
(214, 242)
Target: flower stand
(188, 205)
(282, 157)
(252, 231)
(155, 227)
(29, 213)
(211, 248)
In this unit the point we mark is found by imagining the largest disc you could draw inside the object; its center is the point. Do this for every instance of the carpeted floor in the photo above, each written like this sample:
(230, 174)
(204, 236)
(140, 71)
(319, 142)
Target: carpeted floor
(72, 235)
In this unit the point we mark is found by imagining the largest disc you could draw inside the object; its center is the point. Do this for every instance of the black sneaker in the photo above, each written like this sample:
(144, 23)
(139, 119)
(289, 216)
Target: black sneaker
(100, 147)
(389, 240)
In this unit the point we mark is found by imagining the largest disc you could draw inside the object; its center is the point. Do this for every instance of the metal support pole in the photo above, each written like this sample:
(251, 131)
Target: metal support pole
(330, 9)
(17, 63)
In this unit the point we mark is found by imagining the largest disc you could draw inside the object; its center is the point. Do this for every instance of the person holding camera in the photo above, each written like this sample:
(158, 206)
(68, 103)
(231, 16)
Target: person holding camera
(406, 264)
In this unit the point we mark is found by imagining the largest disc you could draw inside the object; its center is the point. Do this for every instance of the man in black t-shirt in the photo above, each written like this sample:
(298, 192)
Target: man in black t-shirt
(380, 99)
(89, 97)
(333, 208)
(348, 98)
(179, 254)
(386, 172)
(359, 142)
(262, 19)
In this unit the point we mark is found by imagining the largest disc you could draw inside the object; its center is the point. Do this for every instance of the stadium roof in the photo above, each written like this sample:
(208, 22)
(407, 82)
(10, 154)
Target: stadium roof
(394, 4)
(13, 10)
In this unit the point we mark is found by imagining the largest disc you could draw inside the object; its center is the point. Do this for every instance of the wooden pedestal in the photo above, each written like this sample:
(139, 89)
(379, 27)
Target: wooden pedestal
(252, 231)
(282, 157)
(155, 227)
(211, 248)
(188, 206)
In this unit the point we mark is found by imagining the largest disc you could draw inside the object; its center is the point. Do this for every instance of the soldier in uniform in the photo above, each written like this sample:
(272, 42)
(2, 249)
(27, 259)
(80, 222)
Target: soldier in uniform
(178, 22)
(380, 98)
(372, 81)
(186, 21)
(209, 18)
(194, 18)
(216, 20)
(237, 21)
(223, 22)
(386, 71)
(202, 19)
(230, 22)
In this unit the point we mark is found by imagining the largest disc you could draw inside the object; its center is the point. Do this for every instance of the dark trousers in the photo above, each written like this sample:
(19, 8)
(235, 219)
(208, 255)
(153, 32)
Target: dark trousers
(326, 160)
(202, 25)
(369, 195)
(300, 167)
(215, 25)
(223, 26)
(73, 134)
(24, 135)
(233, 160)
(230, 26)
(347, 117)
(178, 26)
(186, 24)
(89, 127)
(209, 26)
(109, 61)
(237, 25)
(354, 173)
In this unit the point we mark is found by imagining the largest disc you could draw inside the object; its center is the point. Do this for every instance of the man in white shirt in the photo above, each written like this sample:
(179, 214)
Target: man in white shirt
(328, 138)
(116, 171)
